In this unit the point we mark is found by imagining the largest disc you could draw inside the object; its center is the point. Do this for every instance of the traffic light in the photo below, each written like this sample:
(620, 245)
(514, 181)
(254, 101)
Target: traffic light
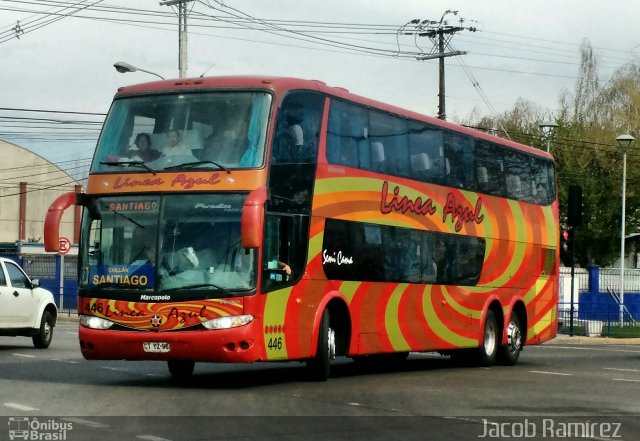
(565, 251)
(565, 240)
(574, 211)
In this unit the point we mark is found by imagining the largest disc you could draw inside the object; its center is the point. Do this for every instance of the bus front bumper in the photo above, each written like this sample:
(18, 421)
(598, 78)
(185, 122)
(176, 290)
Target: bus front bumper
(235, 345)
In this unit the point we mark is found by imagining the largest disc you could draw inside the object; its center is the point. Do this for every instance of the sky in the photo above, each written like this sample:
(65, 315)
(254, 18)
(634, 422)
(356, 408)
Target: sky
(526, 49)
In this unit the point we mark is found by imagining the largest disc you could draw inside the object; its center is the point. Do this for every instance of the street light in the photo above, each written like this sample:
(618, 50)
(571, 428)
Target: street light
(547, 128)
(123, 67)
(625, 142)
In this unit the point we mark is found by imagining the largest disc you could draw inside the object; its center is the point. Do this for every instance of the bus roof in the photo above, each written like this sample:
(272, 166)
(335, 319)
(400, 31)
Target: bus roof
(282, 84)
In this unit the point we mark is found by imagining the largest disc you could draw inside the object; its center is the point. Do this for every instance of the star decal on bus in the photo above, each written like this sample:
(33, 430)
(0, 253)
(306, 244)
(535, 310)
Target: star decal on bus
(156, 321)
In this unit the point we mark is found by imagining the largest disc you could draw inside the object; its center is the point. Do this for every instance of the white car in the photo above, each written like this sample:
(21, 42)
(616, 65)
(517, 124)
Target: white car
(25, 308)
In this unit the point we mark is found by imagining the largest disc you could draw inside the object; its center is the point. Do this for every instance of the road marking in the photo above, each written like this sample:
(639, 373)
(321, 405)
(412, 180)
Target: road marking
(621, 370)
(87, 423)
(65, 361)
(152, 438)
(551, 373)
(24, 355)
(116, 369)
(354, 404)
(20, 407)
(624, 379)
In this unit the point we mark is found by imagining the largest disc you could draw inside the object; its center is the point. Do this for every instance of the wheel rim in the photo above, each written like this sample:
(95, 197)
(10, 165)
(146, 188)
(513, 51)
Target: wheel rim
(514, 337)
(489, 338)
(47, 331)
(331, 346)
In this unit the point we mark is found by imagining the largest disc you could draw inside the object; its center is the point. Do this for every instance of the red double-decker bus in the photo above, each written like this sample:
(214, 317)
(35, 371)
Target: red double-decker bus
(243, 219)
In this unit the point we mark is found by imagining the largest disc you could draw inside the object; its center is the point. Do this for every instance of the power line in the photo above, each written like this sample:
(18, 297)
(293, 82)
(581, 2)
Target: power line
(40, 22)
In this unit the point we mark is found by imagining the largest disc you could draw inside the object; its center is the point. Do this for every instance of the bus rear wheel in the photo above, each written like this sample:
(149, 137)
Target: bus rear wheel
(319, 367)
(181, 370)
(508, 354)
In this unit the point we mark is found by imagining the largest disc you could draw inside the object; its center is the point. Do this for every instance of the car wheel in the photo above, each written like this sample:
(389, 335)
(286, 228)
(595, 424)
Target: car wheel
(43, 337)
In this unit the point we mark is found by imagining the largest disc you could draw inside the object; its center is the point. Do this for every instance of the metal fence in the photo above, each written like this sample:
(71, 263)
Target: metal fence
(610, 279)
(603, 323)
(600, 313)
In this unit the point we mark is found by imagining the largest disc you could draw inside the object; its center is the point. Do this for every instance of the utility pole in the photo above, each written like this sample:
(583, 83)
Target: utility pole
(182, 33)
(440, 33)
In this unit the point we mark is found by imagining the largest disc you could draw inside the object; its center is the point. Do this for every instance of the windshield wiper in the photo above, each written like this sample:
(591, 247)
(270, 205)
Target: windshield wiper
(127, 218)
(201, 285)
(196, 163)
(140, 164)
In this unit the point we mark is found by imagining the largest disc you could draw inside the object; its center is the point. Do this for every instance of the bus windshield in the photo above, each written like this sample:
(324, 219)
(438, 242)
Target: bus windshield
(166, 243)
(184, 131)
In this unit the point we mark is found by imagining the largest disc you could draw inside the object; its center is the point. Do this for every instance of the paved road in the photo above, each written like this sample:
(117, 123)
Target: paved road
(558, 383)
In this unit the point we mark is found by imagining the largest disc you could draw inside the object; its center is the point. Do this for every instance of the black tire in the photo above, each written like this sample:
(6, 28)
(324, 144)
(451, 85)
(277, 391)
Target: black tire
(181, 370)
(42, 339)
(319, 367)
(508, 354)
(487, 352)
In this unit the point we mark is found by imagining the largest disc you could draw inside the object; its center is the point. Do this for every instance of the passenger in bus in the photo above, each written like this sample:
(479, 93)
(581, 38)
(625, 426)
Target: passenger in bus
(145, 152)
(175, 146)
(288, 145)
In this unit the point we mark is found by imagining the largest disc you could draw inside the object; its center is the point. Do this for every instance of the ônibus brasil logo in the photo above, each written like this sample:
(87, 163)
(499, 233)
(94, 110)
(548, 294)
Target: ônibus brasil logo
(33, 429)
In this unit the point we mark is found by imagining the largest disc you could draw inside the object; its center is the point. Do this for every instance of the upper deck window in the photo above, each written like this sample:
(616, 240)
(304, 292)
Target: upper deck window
(183, 131)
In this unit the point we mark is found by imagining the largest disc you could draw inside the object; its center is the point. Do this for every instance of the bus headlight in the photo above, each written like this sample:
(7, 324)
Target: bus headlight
(228, 322)
(92, 322)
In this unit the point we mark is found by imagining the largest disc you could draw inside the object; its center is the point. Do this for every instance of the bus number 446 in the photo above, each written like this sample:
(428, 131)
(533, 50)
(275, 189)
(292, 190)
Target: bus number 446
(275, 344)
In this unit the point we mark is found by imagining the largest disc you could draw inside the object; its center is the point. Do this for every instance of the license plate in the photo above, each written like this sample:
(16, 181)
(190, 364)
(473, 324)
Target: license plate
(156, 346)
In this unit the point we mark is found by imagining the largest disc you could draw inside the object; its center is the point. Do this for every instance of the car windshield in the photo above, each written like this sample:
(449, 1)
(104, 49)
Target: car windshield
(166, 243)
(210, 130)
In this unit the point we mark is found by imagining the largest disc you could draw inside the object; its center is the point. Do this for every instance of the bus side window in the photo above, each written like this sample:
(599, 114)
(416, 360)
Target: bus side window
(347, 135)
(426, 153)
(460, 160)
(489, 169)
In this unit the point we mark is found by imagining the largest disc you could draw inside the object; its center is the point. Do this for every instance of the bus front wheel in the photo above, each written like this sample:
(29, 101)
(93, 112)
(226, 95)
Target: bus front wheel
(320, 366)
(181, 370)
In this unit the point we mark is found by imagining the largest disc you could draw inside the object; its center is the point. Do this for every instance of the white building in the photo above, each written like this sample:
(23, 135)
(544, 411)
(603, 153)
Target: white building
(28, 186)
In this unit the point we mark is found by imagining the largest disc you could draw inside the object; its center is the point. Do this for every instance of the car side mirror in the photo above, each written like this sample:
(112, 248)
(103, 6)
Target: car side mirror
(35, 283)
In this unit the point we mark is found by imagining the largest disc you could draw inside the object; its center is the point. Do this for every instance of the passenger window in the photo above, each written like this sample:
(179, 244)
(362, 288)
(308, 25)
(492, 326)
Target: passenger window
(389, 144)
(298, 128)
(347, 142)
(543, 189)
(490, 169)
(460, 160)
(17, 277)
(518, 176)
(3, 280)
(426, 153)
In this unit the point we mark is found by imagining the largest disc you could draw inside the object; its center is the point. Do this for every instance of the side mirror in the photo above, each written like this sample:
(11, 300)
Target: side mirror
(252, 221)
(35, 283)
